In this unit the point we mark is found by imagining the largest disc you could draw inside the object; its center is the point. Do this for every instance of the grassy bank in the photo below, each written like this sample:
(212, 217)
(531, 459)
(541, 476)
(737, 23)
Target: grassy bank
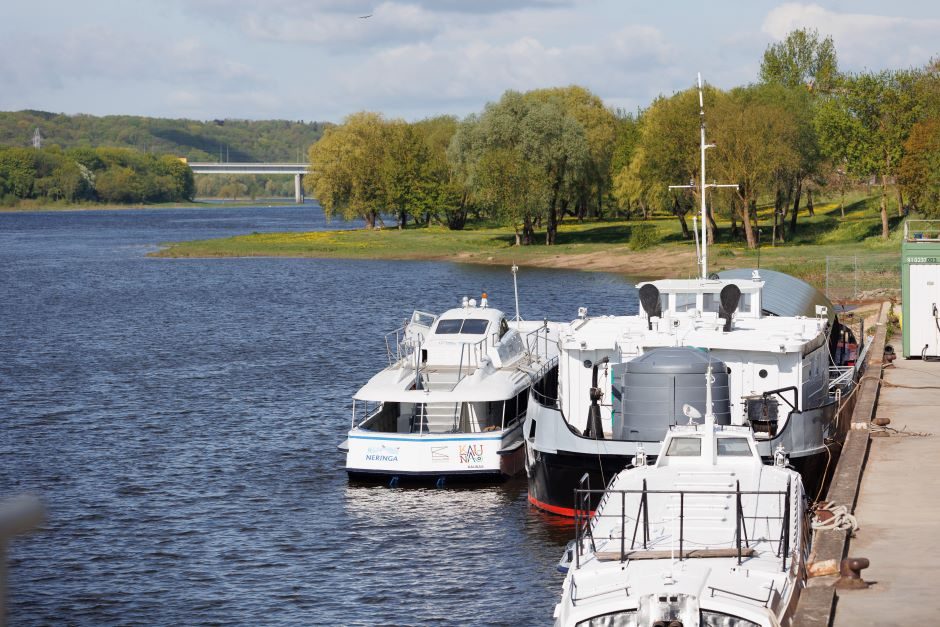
(600, 245)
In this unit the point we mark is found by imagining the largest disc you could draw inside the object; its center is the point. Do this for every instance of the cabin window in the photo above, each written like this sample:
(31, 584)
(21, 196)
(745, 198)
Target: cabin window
(685, 447)
(503, 327)
(733, 447)
(710, 302)
(473, 326)
(449, 326)
(685, 302)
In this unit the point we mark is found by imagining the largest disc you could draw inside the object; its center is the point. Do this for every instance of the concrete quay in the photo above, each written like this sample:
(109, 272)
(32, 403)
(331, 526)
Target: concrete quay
(898, 508)
(889, 478)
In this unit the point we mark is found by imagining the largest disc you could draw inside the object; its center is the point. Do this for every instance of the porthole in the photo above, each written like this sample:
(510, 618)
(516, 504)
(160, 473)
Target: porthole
(762, 373)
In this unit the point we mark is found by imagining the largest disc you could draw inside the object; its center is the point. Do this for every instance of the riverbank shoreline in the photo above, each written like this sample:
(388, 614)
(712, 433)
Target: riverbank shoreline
(596, 247)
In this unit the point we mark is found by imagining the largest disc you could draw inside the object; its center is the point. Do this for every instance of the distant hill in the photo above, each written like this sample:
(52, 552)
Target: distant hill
(236, 140)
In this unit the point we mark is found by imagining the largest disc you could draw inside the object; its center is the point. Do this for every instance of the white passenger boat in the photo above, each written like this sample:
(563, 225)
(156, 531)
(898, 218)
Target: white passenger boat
(452, 401)
(784, 349)
(708, 535)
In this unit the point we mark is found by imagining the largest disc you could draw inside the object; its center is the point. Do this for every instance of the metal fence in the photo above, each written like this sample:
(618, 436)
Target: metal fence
(868, 277)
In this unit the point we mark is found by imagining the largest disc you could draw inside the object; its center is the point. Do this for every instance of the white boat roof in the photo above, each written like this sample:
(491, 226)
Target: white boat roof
(701, 329)
(388, 385)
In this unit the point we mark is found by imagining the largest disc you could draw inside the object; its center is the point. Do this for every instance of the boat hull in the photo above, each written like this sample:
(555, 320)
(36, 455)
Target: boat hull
(557, 458)
(378, 457)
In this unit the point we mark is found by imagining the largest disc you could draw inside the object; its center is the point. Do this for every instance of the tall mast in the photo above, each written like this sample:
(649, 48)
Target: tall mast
(703, 260)
(701, 113)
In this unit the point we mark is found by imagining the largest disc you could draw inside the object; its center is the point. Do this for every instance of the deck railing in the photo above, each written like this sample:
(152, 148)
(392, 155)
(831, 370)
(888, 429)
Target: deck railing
(586, 521)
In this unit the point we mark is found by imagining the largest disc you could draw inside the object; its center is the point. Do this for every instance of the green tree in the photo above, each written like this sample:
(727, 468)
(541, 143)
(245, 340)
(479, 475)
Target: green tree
(873, 113)
(667, 154)
(919, 171)
(442, 194)
(346, 175)
(18, 171)
(528, 141)
(756, 141)
(802, 59)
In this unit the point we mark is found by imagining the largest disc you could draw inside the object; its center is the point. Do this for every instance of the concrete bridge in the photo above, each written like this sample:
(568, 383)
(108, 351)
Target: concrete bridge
(297, 169)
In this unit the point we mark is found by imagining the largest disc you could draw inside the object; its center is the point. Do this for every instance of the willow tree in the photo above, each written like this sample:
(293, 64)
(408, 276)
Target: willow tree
(590, 185)
(443, 195)
(529, 143)
(345, 173)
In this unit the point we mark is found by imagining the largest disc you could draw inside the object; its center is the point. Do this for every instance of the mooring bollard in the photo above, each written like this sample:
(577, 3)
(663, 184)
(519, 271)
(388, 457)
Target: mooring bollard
(850, 571)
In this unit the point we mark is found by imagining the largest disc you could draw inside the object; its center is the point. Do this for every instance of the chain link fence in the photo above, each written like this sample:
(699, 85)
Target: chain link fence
(868, 277)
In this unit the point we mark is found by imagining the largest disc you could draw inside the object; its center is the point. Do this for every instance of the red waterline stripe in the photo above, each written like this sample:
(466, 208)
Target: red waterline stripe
(554, 509)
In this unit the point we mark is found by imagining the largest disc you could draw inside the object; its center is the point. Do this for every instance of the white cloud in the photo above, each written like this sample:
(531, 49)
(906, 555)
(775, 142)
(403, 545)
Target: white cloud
(863, 41)
(476, 70)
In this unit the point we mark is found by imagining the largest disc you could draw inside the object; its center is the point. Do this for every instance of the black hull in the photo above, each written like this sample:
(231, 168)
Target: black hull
(553, 478)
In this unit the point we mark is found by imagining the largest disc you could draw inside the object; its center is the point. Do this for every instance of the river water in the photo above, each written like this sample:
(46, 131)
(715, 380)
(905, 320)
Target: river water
(179, 419)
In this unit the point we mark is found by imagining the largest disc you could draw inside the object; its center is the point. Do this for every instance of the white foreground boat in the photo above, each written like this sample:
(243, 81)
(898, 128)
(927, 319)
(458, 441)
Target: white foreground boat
(452, 401)
(709, 535)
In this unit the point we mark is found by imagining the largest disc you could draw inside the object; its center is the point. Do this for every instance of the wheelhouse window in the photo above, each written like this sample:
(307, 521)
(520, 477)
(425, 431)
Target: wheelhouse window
(733, 447)
(685, 447)
(685, 302)
(711, 301)
(448, 326)
(474, 326)
(503, 327)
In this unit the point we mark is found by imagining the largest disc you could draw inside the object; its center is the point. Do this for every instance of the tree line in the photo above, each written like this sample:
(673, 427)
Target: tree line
(210, 140)
(532, 159)
(112, 175)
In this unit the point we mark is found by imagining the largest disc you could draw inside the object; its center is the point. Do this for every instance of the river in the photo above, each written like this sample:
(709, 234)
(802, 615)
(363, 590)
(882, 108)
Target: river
(179, 418)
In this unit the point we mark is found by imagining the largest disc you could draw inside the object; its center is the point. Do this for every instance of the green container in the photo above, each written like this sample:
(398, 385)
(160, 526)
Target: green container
(920, 288)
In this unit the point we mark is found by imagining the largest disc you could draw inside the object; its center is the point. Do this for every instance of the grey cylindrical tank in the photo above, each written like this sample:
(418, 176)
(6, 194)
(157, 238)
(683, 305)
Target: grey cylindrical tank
(655, 387)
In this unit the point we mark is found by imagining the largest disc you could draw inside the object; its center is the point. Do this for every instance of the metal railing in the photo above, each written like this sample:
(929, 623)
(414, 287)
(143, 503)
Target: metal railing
(542, 398)
(404, 348)
(872, 276)
(532, 344)
(585, 520)
(922, 231)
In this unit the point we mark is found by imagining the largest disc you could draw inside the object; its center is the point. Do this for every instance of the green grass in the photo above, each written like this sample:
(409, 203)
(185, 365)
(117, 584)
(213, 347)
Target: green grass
(613, 245)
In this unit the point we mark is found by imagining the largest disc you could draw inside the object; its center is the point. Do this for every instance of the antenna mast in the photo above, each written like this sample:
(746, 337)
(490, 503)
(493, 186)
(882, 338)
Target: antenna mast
(703, 260)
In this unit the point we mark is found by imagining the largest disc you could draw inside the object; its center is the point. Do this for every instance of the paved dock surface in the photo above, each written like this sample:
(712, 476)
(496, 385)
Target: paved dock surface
(898, 507)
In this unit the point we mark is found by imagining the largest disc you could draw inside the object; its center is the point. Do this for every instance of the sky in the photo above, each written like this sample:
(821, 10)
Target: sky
(324, 59)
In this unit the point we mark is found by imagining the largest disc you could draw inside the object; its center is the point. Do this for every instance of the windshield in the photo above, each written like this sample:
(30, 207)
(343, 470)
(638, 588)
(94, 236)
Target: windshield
(473, 326)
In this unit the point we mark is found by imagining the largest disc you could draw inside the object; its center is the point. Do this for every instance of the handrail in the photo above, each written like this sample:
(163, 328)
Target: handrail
(585, 522)
(930, 233)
